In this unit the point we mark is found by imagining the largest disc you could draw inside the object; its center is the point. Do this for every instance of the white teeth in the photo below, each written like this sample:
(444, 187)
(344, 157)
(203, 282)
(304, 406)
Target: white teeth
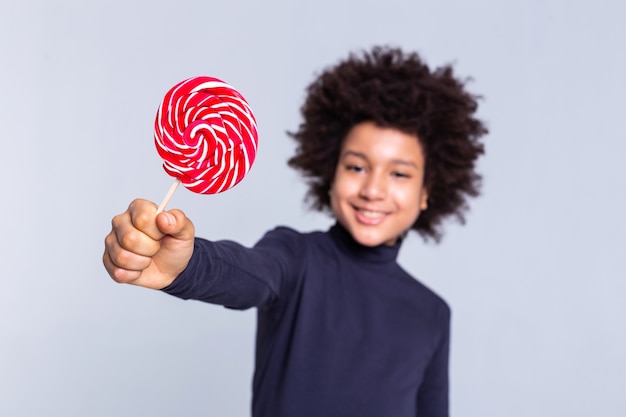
(372, 214)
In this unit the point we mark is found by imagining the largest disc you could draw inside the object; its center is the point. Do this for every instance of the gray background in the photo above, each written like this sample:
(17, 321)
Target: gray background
(535, 279)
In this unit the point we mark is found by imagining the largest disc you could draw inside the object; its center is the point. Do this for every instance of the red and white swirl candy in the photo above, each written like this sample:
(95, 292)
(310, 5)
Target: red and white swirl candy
(206, 134)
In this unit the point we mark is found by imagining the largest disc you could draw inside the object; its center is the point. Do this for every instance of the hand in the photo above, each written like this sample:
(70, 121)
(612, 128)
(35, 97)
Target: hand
(147, 249)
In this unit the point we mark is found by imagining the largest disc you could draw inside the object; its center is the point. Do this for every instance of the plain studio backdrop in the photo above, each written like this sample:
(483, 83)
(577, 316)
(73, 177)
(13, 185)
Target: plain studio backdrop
(535, 278)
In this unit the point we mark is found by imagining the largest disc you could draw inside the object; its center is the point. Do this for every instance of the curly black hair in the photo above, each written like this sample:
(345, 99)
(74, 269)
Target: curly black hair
(397, 90)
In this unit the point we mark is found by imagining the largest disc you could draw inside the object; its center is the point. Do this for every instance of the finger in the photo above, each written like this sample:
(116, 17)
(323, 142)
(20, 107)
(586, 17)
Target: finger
(129, 238)
(117, 271)
(123, 258)
(143, 215)
(176, 224)
(119, 275)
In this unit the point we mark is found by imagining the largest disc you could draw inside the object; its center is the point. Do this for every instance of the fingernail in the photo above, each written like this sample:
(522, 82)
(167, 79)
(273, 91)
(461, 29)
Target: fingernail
(170, 218)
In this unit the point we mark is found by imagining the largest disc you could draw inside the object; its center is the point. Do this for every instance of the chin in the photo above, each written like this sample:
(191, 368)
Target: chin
(370, 241)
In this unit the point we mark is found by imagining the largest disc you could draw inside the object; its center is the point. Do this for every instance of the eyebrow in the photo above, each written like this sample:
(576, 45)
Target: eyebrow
(393, 161)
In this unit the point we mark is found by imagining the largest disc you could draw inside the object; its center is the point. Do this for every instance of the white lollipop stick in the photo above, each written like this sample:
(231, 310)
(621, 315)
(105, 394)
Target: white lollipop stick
(169, 195)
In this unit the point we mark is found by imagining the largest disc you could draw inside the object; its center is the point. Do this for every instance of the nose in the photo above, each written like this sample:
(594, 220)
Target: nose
(374, 187)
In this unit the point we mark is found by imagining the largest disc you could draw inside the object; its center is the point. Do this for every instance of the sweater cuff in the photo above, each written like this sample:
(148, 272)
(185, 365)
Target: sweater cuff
(179, 286)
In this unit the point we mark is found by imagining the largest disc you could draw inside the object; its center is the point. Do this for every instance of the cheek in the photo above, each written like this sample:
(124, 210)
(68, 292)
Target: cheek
(333, 198)
(345, 185)
(410, 199)
(340, 192)
(336, 188)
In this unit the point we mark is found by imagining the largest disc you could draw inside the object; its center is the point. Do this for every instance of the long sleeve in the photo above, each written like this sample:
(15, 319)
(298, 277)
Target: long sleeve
(432, 398)
(229, 274)
(342, 329)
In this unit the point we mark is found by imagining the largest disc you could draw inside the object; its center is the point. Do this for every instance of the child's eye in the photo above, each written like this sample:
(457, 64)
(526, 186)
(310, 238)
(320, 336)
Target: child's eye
(400, 174)
(355, 168)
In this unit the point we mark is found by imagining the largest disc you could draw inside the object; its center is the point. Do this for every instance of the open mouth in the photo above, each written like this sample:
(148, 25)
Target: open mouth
(371, 214)
(370, 217)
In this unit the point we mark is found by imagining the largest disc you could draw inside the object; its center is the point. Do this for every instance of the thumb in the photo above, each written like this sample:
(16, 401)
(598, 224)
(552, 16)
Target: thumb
(176, 224)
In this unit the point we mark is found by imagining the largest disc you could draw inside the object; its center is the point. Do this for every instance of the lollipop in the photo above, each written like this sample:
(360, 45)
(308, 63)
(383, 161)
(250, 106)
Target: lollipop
(206, 134)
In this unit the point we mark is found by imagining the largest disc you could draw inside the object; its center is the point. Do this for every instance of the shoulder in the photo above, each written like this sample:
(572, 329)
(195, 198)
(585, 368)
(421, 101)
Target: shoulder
(289, 252)
(281, 234)
(288, 233)
(288, 239)
(428, 298)
(283, 231)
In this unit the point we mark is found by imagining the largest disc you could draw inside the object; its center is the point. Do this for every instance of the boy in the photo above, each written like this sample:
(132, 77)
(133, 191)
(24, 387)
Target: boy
(387, 145)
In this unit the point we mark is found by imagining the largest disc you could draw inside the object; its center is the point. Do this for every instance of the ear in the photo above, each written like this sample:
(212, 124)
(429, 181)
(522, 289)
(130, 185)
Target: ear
(424, 199)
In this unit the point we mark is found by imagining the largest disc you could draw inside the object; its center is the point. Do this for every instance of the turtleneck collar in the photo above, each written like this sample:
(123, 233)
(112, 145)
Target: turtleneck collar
(377, 254)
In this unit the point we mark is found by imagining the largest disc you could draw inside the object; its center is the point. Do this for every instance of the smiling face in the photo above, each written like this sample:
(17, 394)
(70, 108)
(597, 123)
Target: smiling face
(378, 191)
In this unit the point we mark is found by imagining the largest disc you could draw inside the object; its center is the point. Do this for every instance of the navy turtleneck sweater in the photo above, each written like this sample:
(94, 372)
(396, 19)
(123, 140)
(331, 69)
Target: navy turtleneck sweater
(342, 330)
